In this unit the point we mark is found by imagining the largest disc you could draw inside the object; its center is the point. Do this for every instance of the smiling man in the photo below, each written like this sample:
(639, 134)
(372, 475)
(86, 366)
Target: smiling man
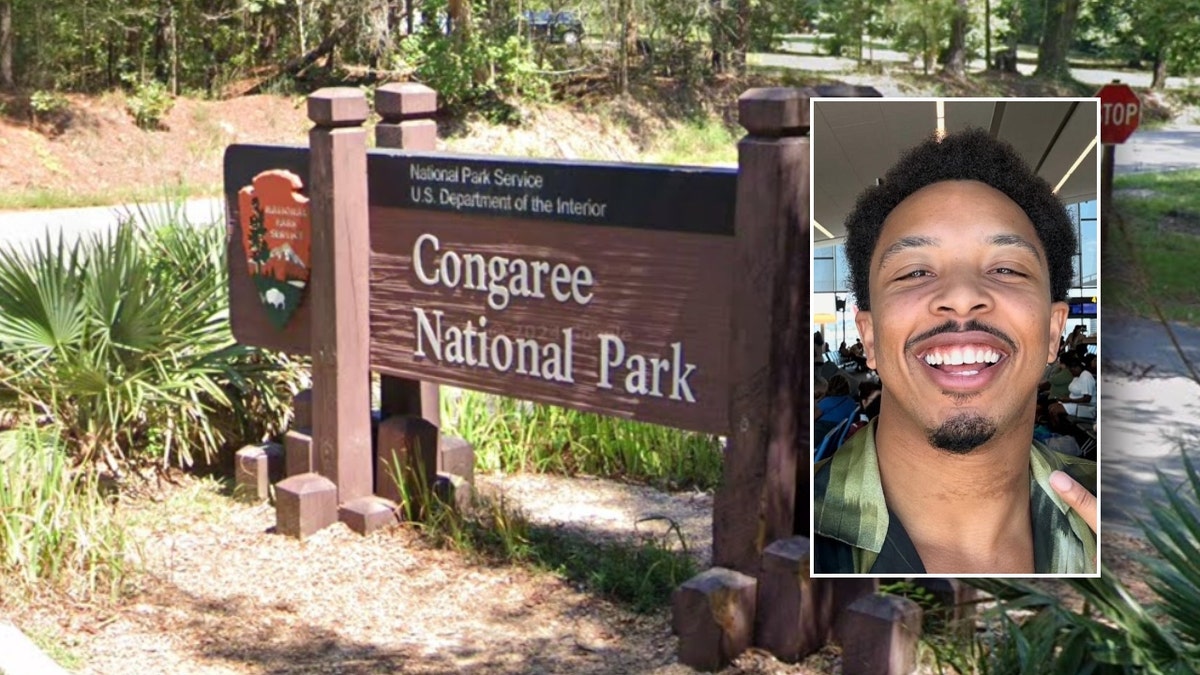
(960, 263)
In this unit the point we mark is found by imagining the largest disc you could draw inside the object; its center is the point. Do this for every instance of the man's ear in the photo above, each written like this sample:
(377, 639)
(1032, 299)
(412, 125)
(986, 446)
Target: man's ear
(865, 324)
(1058, 320)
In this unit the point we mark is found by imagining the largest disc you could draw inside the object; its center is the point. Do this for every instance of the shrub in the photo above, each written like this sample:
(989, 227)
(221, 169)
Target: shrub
(47, 103)
(472, 68)
(149, 104)
(54, 526)
(123, 339)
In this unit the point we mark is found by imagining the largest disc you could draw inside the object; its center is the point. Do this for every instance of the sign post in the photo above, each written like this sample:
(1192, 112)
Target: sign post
(1120, 112)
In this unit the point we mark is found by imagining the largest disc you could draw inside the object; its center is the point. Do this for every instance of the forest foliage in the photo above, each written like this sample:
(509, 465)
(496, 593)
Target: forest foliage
(473, 49)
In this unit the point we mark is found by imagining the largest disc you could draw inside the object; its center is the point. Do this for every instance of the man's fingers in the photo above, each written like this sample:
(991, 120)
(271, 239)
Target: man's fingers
(1076, 496)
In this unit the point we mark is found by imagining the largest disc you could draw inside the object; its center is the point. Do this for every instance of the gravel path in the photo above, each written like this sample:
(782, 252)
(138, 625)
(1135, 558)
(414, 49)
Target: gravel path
(223, 594)
(613, 510)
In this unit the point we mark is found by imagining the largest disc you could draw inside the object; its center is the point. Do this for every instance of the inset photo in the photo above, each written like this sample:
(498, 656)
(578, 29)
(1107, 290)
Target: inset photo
(955, 312)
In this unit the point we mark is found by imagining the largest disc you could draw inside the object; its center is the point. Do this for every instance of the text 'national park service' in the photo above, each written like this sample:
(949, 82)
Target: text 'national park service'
(463, 186)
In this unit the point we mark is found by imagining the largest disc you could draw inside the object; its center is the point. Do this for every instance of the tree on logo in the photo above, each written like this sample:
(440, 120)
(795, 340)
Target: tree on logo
(260, 252)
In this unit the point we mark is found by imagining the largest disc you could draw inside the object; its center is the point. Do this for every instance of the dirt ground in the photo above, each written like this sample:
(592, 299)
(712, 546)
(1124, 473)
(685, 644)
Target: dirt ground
(93, 147)
(221, 593)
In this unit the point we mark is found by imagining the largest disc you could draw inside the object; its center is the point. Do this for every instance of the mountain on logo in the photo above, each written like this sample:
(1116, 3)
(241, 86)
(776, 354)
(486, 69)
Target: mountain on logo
(285, 253)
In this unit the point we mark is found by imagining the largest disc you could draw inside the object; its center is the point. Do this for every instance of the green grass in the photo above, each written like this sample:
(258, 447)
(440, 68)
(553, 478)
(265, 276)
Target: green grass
(515, 436)
(702, 142)
(639, 574)
(69, 199)
(52, 644)
(55, 528)
(1145, 261)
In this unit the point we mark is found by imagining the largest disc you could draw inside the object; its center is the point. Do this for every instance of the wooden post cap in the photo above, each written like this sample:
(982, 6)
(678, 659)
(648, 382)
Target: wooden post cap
(879, 634)
(399, 100)
(337, 107)
(713, 615)
(774, 111)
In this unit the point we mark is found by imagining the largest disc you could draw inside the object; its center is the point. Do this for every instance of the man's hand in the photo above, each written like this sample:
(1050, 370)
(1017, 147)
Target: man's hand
(1076, 496)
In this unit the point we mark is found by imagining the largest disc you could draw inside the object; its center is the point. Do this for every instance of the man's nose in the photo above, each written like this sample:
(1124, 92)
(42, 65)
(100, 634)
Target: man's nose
(961, 293)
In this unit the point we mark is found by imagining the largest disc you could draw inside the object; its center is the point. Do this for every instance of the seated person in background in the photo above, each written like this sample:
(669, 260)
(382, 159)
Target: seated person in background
(868, 398)
(820, 387)
(1058, 380)
(836, 406)
(856, 355)
(1080, 400)
(1079, 333)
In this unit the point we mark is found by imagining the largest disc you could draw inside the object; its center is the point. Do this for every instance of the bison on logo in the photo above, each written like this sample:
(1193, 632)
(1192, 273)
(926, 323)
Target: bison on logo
(277, 236)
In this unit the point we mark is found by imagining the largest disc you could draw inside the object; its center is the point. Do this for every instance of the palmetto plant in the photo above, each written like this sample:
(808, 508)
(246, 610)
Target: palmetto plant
(1113, 633)
(124, 340)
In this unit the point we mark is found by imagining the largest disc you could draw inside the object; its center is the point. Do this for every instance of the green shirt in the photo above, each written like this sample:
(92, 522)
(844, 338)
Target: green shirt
(855, 532)
(1060, 383)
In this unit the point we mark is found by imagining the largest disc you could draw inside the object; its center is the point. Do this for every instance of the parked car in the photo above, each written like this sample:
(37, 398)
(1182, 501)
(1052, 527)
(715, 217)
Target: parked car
(562, 27)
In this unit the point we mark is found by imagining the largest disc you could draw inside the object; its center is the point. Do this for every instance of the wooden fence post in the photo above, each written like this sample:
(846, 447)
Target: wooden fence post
(341, 399)
(757, 502)
(407, 109)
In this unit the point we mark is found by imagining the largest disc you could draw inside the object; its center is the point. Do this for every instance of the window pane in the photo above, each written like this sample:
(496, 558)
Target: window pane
(1088, 210)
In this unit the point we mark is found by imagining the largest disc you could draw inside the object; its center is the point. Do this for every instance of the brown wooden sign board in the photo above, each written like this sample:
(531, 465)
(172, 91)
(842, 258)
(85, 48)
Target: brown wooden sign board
(598, 287)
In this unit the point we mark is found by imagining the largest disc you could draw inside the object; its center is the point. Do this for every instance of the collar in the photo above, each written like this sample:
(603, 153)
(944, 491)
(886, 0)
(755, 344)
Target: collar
(849, 506)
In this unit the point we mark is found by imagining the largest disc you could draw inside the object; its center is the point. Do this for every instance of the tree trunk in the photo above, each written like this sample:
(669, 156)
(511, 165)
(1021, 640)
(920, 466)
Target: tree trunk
(6, 46)
(623, 47)
(987, 34)
(956, 60)
(741, 38)
(162, 43)
(716, 35)
(297, 65)
(1057, 32)
(926, 52)
(1160, 69)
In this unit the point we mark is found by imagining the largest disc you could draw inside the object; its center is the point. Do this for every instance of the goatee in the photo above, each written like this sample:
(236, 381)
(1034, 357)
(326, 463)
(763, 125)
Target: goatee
(962, 433)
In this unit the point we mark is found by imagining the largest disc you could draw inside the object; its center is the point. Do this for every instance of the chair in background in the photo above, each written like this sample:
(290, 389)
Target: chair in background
(836, 436)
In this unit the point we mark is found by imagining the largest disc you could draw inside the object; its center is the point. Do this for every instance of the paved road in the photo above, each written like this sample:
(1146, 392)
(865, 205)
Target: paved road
(21, 228)
(1177, 147)
(802, 54)
(1150, 414)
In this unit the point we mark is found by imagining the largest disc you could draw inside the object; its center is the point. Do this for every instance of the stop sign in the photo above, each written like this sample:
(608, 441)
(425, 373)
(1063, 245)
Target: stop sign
(1120, 111)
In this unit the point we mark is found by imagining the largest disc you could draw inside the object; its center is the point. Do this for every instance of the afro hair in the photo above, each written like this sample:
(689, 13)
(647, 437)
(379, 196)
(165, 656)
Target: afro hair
(968, 155)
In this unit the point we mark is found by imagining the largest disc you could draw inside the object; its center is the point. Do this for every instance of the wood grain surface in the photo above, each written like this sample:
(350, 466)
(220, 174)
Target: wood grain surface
(652, 290)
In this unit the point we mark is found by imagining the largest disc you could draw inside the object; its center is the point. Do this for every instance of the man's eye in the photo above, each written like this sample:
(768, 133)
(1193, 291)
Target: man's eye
(1009, 271)
(915, 274)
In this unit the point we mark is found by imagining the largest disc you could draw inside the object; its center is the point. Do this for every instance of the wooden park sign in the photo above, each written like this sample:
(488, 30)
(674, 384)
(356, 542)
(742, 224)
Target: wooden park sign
(594, 286)
(672, 295)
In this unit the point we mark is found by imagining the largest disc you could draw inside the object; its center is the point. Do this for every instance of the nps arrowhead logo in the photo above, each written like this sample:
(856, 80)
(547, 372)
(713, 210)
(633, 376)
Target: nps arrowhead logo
(277, 236)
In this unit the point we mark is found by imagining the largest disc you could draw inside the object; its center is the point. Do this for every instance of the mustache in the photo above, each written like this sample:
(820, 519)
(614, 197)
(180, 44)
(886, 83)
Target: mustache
(969, 326)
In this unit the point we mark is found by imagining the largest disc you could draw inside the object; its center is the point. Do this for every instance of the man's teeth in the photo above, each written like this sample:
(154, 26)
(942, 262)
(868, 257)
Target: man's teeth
(962, 356)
